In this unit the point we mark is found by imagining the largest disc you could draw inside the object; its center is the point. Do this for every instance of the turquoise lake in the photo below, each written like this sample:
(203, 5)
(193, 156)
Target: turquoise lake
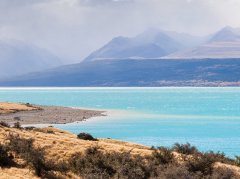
(208, 118)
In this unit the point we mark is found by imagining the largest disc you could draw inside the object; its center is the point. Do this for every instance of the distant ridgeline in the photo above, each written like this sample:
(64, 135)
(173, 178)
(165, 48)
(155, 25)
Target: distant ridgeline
(153, 58)
(151, 72)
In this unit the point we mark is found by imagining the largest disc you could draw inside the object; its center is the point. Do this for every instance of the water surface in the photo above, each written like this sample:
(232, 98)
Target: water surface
(206, 117)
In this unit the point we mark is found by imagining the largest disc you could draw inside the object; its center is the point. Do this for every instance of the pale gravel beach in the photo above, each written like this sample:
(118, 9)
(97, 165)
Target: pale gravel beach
(50, 115)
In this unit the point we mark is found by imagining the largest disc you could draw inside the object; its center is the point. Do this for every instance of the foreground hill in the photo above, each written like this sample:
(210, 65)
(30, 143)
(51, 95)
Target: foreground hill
(60, 146)
(165, 72)
(58, 154)
(17, 58)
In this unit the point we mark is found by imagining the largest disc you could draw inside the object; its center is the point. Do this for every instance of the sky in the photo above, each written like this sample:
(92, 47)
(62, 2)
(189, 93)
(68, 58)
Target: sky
(71, 29)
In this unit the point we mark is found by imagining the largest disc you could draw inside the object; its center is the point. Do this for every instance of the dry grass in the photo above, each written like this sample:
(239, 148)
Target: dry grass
(61, 145)
(16, 173)
(235, 169)
(6, 108)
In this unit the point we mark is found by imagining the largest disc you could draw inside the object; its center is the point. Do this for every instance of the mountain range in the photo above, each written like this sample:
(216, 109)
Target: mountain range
(17, 57)
(152, 43)
(223, 44)
(153, 58)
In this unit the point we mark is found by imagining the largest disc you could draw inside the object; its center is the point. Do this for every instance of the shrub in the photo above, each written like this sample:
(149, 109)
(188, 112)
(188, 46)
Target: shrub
(237, 160)
(6, 160)
(184, 148)
(4, 124)
(96, 164)
(223, 173)
(162, 155)
(28, 105)
(34, 157)
(29, 128)
(174, 171)
(86, 136)
(50, 132)
(92, 165)
(129, 166)
(17, 125)
(219, 157)
(203, 162)
(18, 144)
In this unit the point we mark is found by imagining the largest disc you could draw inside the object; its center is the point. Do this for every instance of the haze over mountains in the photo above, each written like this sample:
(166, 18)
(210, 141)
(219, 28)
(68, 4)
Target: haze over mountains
(152, 43)
(223, 44)
(155, 43)
(17, 57)
(153, 58)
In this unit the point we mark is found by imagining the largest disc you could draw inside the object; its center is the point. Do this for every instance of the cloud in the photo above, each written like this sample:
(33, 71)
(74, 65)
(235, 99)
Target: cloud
(104, 2)
(74, 28)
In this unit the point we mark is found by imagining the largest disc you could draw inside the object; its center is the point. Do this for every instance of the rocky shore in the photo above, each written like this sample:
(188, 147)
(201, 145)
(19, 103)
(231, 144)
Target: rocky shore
(37, 114)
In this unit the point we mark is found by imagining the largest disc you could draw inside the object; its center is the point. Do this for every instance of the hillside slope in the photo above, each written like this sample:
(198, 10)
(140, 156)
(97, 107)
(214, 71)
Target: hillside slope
(60, 146)
(165, 72)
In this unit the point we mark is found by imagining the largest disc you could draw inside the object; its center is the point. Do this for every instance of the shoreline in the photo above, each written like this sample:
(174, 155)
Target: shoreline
(49, 115)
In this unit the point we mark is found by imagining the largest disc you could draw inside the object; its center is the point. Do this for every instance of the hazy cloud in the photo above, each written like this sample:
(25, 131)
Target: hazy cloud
(104, 2)
(73, 28)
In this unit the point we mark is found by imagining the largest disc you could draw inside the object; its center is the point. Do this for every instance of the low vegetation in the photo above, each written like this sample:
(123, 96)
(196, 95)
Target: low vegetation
(182, 161)
(185, 148)
(34, 157)
(86, 136)
(6, 159)
(4, 124)
(17, 125)
(7, 107)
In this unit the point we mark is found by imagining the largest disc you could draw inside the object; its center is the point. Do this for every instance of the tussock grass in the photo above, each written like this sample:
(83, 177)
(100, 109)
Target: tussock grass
(59, 154)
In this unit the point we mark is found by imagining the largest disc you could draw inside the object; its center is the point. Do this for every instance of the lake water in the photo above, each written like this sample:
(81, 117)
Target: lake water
(208, 118)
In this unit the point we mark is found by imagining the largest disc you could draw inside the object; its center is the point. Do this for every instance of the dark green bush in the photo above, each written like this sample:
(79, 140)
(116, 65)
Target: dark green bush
(17, 125)
(91, 165)
(33, 156)
(50, 132)
(174, 171)
(29, 128)
(129, 166)
(4, 124)
(18, 144)
(86, 136)
(96, 164)
(162, 156)
(237, 160)
(184, 148)
(28, 105)
(203, 162)
(6, 159)
(223, 173)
